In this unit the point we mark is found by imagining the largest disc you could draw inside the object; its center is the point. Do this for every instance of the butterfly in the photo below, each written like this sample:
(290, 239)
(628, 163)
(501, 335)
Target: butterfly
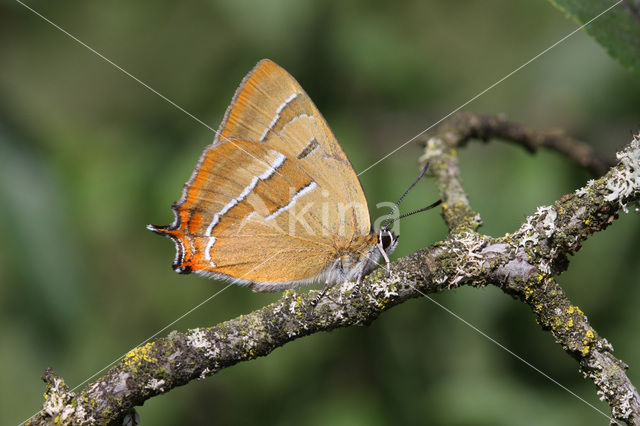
(273, 202)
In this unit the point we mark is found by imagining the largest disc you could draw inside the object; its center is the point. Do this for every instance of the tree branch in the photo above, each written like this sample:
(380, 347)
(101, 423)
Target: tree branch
(539, 249)
(462, 127)
(522, 264)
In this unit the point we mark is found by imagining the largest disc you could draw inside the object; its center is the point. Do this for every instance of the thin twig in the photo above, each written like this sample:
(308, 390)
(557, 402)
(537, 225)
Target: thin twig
(522, 264)
(464, 126)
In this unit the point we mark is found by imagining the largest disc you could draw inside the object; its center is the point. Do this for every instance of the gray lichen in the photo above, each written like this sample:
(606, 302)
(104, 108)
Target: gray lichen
(524, 264)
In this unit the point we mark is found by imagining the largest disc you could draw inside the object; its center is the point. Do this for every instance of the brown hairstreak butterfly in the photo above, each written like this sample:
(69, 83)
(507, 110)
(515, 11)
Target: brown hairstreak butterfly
(275, 182)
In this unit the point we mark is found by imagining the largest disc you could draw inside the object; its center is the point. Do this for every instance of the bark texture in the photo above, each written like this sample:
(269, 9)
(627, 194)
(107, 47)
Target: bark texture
(523, 264)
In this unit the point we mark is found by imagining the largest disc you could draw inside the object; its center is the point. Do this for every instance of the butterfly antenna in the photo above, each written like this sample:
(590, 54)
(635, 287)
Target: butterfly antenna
(388, 219)
(429, 207)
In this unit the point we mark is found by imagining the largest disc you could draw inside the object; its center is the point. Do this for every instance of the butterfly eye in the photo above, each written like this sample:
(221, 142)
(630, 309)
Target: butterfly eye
(386, 240)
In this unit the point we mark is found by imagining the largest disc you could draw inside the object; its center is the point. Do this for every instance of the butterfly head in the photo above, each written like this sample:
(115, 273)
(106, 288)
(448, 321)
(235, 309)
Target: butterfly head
(387, 240)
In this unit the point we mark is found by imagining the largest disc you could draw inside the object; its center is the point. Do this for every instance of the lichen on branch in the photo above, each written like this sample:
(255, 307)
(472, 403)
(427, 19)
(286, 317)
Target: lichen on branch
(524, 264)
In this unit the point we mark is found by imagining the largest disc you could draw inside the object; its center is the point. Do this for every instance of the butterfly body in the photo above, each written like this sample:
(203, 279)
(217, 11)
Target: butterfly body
(274, 202)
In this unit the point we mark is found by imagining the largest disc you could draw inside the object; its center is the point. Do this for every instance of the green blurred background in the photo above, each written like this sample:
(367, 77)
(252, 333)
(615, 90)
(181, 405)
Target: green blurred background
(88, 157)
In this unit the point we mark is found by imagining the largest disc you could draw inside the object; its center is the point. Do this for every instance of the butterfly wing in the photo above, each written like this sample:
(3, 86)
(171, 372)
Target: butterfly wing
(271, 107)
(274, 199)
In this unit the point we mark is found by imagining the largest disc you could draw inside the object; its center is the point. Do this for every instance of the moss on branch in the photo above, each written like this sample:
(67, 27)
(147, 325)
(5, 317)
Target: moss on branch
(524, 264)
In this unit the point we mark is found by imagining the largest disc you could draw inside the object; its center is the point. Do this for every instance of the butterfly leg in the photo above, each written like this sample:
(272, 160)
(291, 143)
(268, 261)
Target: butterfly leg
(356, 288)
(315, 301)
(386, 258)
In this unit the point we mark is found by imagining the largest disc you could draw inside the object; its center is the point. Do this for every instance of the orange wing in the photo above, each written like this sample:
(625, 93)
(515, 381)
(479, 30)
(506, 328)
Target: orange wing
(271, 107)
(274, 199)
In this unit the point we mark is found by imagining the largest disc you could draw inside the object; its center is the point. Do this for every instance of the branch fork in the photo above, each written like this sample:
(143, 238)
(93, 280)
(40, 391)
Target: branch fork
(524, 264)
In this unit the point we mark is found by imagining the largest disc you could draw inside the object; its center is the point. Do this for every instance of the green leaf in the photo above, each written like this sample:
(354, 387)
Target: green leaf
(617, 30)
